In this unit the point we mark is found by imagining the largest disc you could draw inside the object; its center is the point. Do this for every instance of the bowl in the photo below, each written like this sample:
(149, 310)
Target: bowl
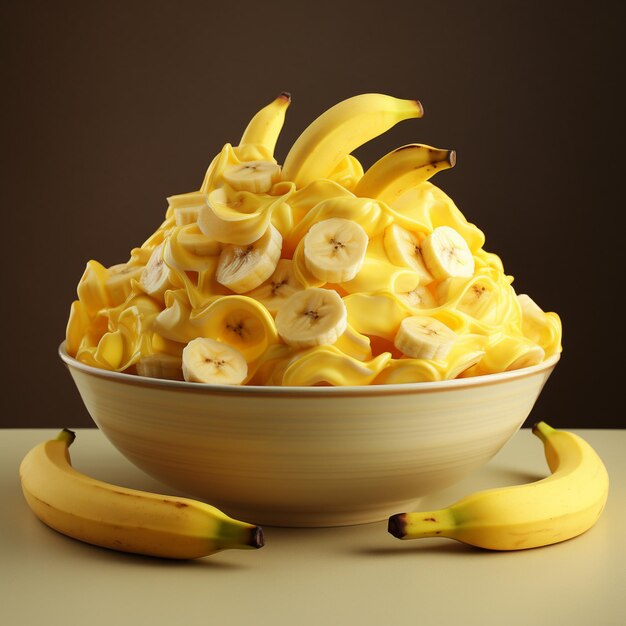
(309, 456)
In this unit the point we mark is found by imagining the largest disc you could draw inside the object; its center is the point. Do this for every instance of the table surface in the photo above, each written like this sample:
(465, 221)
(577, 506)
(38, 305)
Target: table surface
(351, 575)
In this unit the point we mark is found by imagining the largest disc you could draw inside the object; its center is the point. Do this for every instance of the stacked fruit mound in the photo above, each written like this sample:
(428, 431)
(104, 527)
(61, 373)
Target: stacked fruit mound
(313, 273)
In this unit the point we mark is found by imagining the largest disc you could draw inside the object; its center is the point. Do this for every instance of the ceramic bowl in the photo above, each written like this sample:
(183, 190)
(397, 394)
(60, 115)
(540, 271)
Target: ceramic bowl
(309, 456)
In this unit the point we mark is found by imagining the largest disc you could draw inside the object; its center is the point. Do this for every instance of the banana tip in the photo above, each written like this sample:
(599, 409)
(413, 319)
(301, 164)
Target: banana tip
(67, 436)
(420, 108)
(257, 540)
(542, 430)
(452, 158)
(396, 525)
(285, 95)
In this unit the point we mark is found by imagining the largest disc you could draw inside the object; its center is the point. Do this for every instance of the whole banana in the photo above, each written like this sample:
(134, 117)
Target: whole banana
(124, 519)
(340, 130)
(403, 169)
(264, 128)
(561, 506)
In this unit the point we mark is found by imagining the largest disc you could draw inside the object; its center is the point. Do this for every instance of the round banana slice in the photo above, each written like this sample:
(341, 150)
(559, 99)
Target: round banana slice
(447, 254)
(239, 321)
(212, 362)
(312, 317)
(283, 283)
(404, 249)
(243, 268)
(254, 176)
(334, 249)
(422, 337)
(155, 278)
(418, 298)
(478, 297)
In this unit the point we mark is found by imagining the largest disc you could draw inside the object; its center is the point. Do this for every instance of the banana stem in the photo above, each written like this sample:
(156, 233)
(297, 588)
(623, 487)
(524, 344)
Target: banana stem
(440, 523)
(67, 436)
(235, 534)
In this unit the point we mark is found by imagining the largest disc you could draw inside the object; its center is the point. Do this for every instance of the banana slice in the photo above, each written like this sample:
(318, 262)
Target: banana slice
(155, 277)
(118, 281)
(185, 207)
(197, 243)
(418, 298)
(254, 176)
(243, 268)
(312, 317)
(422, 337)
(164, 366)
(240, 322)
(334, 249)
(212, 362)
(447, 254)
(404, 249)
(278, 287)
(477, 297)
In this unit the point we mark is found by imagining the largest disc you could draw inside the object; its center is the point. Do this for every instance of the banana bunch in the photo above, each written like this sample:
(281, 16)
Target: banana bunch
(563, 505)
(278, 275)
(124, 519)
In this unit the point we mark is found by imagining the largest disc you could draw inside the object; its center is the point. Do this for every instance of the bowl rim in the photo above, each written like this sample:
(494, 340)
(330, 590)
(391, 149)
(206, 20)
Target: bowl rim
(300, 391)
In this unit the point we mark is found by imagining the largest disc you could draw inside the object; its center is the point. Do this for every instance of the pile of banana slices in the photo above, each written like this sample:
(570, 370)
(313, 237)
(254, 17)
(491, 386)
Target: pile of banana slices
(313, 273)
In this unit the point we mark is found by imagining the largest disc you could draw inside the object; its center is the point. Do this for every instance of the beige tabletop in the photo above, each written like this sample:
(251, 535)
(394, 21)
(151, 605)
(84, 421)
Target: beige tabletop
(351, 575)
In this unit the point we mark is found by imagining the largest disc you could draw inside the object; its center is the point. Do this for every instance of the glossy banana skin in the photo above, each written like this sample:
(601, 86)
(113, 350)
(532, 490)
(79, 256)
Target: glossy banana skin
(559, 507)
(124, 519)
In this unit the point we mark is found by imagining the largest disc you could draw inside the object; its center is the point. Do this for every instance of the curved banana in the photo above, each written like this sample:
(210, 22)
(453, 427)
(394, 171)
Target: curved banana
(402, 169)
(264, 128)
(340, 130)
(558, 507)
(124, 519)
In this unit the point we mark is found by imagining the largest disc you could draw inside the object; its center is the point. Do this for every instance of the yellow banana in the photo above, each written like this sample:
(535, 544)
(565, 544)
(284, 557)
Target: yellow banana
(561, 506)
(401, 170)
(340, 130)
(124, 519)
(264, 128)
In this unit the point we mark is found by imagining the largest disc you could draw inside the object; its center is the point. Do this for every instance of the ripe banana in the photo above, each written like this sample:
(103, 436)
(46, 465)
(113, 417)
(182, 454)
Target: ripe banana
(264, 128)
(312, 317)
(213, 362)
(334, 249)
(422, 337)
(124, 519)
(243, 268)
(340, 130)
(402, 169)
(447, 254)
(561, 506)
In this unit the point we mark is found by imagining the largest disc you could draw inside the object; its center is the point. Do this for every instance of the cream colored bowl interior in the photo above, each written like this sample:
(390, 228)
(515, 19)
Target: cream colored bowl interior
(300, 456)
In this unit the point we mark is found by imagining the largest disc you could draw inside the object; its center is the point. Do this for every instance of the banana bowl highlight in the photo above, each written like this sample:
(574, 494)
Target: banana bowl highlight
(309, 456)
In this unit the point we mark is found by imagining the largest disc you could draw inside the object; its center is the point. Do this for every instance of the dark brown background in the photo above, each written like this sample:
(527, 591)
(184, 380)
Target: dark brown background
(110, 107)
